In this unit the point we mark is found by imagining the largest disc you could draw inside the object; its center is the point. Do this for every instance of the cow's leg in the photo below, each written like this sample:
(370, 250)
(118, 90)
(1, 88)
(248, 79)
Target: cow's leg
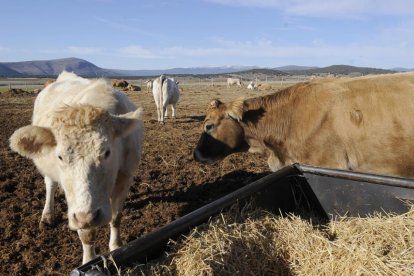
(163, 109)
(160, 115)
(48, 210)
(274, 162)
(115, 240)
(173, 110)
(166, 112)
(158, 112)
(119, 194)
(87, 237)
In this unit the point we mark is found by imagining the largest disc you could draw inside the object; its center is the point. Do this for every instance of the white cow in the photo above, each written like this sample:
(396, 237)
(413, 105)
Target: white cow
(232, 81)
(165, 92)
(87, 138)
(149, 85)
(251, 86)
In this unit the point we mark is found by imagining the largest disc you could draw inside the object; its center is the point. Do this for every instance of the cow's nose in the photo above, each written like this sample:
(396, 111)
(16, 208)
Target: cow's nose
(86, 219)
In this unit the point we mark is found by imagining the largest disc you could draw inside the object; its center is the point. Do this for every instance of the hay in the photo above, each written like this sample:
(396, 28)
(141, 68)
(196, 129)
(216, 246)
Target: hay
(254, 242)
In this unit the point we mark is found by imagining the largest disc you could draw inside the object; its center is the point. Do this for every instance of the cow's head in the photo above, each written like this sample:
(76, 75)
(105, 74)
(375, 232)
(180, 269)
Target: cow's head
(222, 132)
(80, 150)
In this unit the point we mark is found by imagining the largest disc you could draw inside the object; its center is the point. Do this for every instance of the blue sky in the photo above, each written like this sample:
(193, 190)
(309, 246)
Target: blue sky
(141, 34)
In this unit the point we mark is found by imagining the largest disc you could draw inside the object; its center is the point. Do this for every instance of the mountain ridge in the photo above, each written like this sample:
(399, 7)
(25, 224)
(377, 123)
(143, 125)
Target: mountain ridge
(49, 68)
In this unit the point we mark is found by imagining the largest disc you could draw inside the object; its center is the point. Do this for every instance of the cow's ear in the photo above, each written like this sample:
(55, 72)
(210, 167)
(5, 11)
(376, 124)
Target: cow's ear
(235, 109)
(124, 124)
(32, 141)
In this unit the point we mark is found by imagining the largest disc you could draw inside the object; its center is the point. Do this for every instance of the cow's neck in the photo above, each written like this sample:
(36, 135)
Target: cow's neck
(266, 122)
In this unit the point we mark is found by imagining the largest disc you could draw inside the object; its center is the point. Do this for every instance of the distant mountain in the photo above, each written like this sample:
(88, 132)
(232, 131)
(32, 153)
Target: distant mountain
(185, 71)
(294, 68)
(343, 70)
(53, 68)
(8, 72)
(48, 68)
(260, 73)
(88, 69)
(402, 69)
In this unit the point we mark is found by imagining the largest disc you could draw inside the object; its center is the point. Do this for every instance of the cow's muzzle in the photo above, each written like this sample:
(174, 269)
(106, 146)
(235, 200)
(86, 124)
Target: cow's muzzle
(82, 220)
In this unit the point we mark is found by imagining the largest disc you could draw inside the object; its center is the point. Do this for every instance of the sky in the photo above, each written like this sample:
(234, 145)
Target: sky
(141, 34)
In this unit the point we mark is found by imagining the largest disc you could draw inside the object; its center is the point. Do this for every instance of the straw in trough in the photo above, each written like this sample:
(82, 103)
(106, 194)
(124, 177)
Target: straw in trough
(249, 241)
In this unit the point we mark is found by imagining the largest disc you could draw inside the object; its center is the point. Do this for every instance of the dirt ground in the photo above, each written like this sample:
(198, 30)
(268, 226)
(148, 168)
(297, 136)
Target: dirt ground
(167, 184)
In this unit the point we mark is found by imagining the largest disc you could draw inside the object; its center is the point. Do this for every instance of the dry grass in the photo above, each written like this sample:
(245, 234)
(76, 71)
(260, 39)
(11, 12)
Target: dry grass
(253, 242)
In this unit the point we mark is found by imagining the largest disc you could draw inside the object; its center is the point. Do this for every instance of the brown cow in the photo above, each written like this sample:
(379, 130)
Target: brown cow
(264, 87)
(48, 82)
(132, 87)
(120, 83)
(362, 124)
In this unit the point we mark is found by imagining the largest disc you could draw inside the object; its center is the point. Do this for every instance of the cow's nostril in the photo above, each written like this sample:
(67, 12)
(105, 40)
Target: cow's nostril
(87, 219)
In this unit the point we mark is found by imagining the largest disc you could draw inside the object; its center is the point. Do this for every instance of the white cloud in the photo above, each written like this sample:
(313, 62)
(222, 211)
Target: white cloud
(262, 52)
(265, 48)
(329, 8)
(320, 54)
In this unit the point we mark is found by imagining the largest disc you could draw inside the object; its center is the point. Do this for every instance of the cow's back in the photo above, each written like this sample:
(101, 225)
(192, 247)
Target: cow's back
(363, 123)
(170, 91)
(375, 120)
(70, 89)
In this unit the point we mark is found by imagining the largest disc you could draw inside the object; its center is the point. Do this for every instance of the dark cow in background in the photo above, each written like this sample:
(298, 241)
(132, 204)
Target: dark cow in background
(120, 83)
(362, 124)
(132, 87)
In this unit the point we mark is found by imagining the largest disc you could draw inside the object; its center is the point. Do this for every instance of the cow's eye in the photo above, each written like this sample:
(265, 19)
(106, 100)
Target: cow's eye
(208, 127)
(107, 153)
(60, 157)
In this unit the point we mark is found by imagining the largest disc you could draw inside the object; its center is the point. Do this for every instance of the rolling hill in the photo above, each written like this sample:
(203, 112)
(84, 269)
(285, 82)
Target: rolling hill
(8, 72)
(53, 68)
(50, 68)
(343, 70)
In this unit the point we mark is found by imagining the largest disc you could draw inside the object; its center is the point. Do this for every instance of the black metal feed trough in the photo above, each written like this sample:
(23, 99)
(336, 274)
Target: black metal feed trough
(324, 192)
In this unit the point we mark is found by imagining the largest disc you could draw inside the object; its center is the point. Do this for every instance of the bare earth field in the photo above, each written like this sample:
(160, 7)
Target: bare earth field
(168, 183)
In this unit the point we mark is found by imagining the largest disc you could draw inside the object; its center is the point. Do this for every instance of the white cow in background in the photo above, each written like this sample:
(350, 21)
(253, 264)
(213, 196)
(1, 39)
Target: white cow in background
(149, 85)
(165, 91)
(234, 81)
(251, 86)
(87, 138)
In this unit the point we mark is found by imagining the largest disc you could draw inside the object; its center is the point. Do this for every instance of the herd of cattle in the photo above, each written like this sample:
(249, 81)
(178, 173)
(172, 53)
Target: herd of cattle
(87, 137)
